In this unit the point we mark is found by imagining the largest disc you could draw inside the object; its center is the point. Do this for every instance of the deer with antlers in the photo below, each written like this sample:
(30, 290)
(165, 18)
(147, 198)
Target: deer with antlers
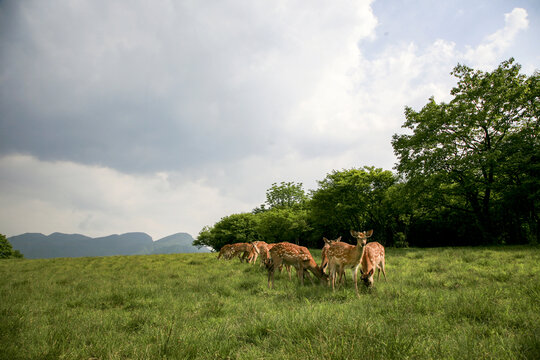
(293, 255)
(367, 258)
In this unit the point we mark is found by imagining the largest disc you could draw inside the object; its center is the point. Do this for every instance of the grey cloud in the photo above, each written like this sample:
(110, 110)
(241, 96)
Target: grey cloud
(138, 91)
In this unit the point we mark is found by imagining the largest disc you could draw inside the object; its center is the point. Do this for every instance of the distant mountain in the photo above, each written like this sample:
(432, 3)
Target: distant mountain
(176, 243)
(39, 246)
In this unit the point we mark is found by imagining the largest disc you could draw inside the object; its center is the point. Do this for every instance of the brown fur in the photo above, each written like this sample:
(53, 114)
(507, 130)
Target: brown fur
(324, 252)
(298, 256)
(342, 255)
(372, 258)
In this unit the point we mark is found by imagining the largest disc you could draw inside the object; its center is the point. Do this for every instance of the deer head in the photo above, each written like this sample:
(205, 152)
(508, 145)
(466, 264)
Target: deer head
(361, 236)
(367, 278)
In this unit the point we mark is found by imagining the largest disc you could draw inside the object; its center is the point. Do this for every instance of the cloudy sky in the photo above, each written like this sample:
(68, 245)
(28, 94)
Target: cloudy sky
(164, 116)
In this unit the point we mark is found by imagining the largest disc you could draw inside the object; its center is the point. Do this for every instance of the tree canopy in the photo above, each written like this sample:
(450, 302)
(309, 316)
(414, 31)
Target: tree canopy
(466, 151)
(467, 173)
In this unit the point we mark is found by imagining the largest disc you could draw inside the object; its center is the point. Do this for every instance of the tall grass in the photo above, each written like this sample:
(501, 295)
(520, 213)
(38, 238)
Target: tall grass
(450, 303)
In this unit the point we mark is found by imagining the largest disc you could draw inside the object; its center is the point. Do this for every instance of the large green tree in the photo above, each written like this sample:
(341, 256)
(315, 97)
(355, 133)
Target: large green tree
(284, 224)
(230, 229)
(285, 195)
(466, 151)
(352, 199)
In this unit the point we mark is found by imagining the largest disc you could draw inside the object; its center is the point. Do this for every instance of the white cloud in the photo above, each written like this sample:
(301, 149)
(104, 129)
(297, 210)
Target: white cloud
(63, 196)
(487, 55)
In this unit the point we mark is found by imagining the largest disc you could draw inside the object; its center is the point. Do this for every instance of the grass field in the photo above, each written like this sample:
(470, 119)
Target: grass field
(448, 303)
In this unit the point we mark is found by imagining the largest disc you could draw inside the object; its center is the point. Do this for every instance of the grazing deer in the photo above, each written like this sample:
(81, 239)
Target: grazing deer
(259, 248)
(324, 252)
(225, 252)
(342, 255)
(297, 256)
(265, 255)
(372, 258)
(241, 250)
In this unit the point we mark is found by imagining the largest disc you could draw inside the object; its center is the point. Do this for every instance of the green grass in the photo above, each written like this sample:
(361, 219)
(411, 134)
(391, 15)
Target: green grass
(449, 303)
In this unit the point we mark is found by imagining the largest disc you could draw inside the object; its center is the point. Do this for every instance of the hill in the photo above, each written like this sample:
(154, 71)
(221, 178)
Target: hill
(40, 246)
(176, 243)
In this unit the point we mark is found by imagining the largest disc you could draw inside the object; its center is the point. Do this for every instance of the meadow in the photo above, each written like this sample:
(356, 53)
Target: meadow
(444, 303)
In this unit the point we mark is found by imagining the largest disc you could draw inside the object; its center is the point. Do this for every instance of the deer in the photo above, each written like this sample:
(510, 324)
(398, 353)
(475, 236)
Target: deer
(294, 255)
(267, 260)
(225, 252)
(241, 250)
(324, 252)
(342, 255)
(259, 248)
(372, 258)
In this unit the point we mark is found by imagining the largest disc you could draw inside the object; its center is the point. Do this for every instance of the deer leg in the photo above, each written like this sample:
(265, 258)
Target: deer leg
(271, 276)
(384, 272)
(300, 274)
(309, 276)
(288, 267)
(355, 279)
(274, 263)
(341, 274)
(333, 276)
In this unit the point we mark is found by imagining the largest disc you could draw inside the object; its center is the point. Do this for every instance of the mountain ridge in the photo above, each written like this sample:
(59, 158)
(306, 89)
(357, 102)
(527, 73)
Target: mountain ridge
(57, 244)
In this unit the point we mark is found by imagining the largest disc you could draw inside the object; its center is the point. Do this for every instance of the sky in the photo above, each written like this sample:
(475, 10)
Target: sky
(165, 116)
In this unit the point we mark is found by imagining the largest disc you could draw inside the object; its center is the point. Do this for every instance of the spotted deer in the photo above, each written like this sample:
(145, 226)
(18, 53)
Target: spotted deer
(298, 256)
(372, 258)
(241, 250)
(324, 252)
(259, 248)
(342, 256)
(225, 252)
(268, 260)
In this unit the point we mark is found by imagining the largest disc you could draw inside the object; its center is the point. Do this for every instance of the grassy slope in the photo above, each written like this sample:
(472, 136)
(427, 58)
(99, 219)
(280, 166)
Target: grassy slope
(438, 303)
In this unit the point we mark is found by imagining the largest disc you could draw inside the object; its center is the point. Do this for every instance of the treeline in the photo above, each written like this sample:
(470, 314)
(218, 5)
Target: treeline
(467, 174)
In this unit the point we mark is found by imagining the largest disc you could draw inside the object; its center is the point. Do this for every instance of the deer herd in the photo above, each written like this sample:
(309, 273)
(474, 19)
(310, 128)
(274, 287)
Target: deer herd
(337, 256)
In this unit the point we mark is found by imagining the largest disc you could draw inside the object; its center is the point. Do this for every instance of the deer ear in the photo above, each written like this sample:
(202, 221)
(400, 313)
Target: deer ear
(369, 233)
(353, 233)
(325, 240)
(370, 272)
(338, 239)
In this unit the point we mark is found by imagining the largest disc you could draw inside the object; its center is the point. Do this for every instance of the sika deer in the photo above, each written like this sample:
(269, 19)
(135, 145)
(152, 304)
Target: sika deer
(372, 258)
(268, 259)
(259, 248)
(324, 252)
(342, 255)
(241, 250)
(297, 256)
(225, 252)
(262, 251)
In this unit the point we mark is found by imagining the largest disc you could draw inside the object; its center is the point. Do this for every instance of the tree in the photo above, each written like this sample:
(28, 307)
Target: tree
(464, 150)
(352, 199)
(6, 250)
(230, 229)
(285, 195)
(283, 224)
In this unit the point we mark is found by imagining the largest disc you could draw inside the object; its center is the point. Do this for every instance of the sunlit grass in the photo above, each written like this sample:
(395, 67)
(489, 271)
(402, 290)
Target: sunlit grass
(448, 303)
